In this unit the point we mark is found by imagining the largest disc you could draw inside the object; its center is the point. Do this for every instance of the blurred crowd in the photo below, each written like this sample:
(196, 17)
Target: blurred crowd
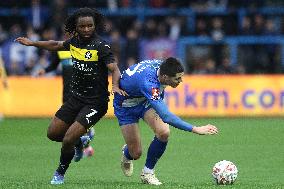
(132, 35)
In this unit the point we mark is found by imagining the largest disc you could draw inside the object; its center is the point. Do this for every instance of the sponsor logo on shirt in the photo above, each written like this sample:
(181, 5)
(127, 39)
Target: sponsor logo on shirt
(84, 54)
(82, 66)
(88, 55)
(155, 94)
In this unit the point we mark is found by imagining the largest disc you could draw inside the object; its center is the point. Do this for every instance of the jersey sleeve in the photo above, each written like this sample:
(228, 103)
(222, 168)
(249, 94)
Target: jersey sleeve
(66, 44)
(105, 54)
(151, 91)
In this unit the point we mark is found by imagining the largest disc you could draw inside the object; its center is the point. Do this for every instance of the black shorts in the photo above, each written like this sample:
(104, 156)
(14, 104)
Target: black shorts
(85, 113)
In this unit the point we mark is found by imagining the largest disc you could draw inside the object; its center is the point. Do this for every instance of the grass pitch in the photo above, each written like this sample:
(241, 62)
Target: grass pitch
(256, 145)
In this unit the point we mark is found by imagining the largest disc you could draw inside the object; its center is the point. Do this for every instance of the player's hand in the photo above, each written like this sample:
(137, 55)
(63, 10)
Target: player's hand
(24, 41)
(118, 90)
(205, 130)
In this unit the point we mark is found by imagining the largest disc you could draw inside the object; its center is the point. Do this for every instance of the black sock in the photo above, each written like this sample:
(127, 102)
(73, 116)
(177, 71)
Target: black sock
(65, 160)
(78, 143)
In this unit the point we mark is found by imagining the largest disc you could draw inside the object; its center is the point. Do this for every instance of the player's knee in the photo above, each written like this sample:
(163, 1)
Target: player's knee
(68, 141)
(50, 135)
(53, 136)
(137, 154)
(163, 135)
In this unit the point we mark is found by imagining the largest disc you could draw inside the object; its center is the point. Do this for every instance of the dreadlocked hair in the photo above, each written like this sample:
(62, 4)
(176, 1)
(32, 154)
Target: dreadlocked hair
(70, 24)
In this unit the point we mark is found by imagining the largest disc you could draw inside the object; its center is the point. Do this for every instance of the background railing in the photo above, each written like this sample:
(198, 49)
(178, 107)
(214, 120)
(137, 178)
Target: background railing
(142, 12)
(232, 42)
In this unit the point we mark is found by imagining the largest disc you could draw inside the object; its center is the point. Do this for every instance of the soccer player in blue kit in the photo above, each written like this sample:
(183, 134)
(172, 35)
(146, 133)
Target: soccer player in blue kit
(145, 83)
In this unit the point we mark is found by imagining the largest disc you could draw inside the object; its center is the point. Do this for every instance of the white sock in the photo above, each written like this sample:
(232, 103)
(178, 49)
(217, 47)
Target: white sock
(147, 170)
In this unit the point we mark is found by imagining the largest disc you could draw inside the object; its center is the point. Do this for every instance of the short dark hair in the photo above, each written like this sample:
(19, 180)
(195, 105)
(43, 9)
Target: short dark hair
(70, 24)
(170, 67)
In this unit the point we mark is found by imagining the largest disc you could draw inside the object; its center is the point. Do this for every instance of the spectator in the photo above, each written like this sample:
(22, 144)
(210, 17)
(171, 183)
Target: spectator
(271, 49)
(259, 22)
(17, 52)
(115, 42)
(207, 66)
(150, 29)
(3, 35)
(130, 61)
(31, 56)
(131, 47)
(201, 28)
(210, 66)
(58, 14)
(240, 69)
(217, 34)
(162, 30)
(44, 55)
(108, 27)
(226, 67)
(246, 53)
(260, 61)
(175, 27)
(246, 27)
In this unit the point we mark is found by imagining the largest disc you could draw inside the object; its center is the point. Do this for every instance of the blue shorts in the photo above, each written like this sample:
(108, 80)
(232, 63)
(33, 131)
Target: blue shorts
(129, 115)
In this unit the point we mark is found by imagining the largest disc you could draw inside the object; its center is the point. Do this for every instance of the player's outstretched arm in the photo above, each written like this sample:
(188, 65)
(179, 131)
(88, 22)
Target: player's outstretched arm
(48, 45)
(173, 120)
(162, 110)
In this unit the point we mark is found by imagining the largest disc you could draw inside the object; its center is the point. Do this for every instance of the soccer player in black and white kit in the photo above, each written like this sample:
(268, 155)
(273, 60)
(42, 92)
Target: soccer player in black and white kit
(65, 59)
(92, 59)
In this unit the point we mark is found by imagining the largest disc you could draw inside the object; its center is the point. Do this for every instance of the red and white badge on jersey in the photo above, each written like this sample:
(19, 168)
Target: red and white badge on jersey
(155, 94)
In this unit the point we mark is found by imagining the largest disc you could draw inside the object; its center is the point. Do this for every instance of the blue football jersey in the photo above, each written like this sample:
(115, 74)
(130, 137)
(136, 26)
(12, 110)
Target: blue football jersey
(143, 87)
(141, 80)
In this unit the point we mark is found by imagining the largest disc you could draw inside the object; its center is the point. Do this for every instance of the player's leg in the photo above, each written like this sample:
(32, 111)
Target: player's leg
(132, 150)
(66, 95)
(84, 117)
(62, 120)
(57, 129)
(73, 134)
(71, 137)
(56, 132)
(128, 118)
(157, 146)
(88, 116)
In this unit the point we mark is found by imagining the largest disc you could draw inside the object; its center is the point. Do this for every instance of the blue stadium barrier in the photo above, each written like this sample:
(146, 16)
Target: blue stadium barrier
(142, 12)
(232, 42)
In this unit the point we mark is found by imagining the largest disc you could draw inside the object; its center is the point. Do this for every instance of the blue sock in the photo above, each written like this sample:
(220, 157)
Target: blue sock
(155, 151)
(126, 153)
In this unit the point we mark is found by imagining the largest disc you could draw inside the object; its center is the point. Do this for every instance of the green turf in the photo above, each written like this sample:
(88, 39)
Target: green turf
(28, 159)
